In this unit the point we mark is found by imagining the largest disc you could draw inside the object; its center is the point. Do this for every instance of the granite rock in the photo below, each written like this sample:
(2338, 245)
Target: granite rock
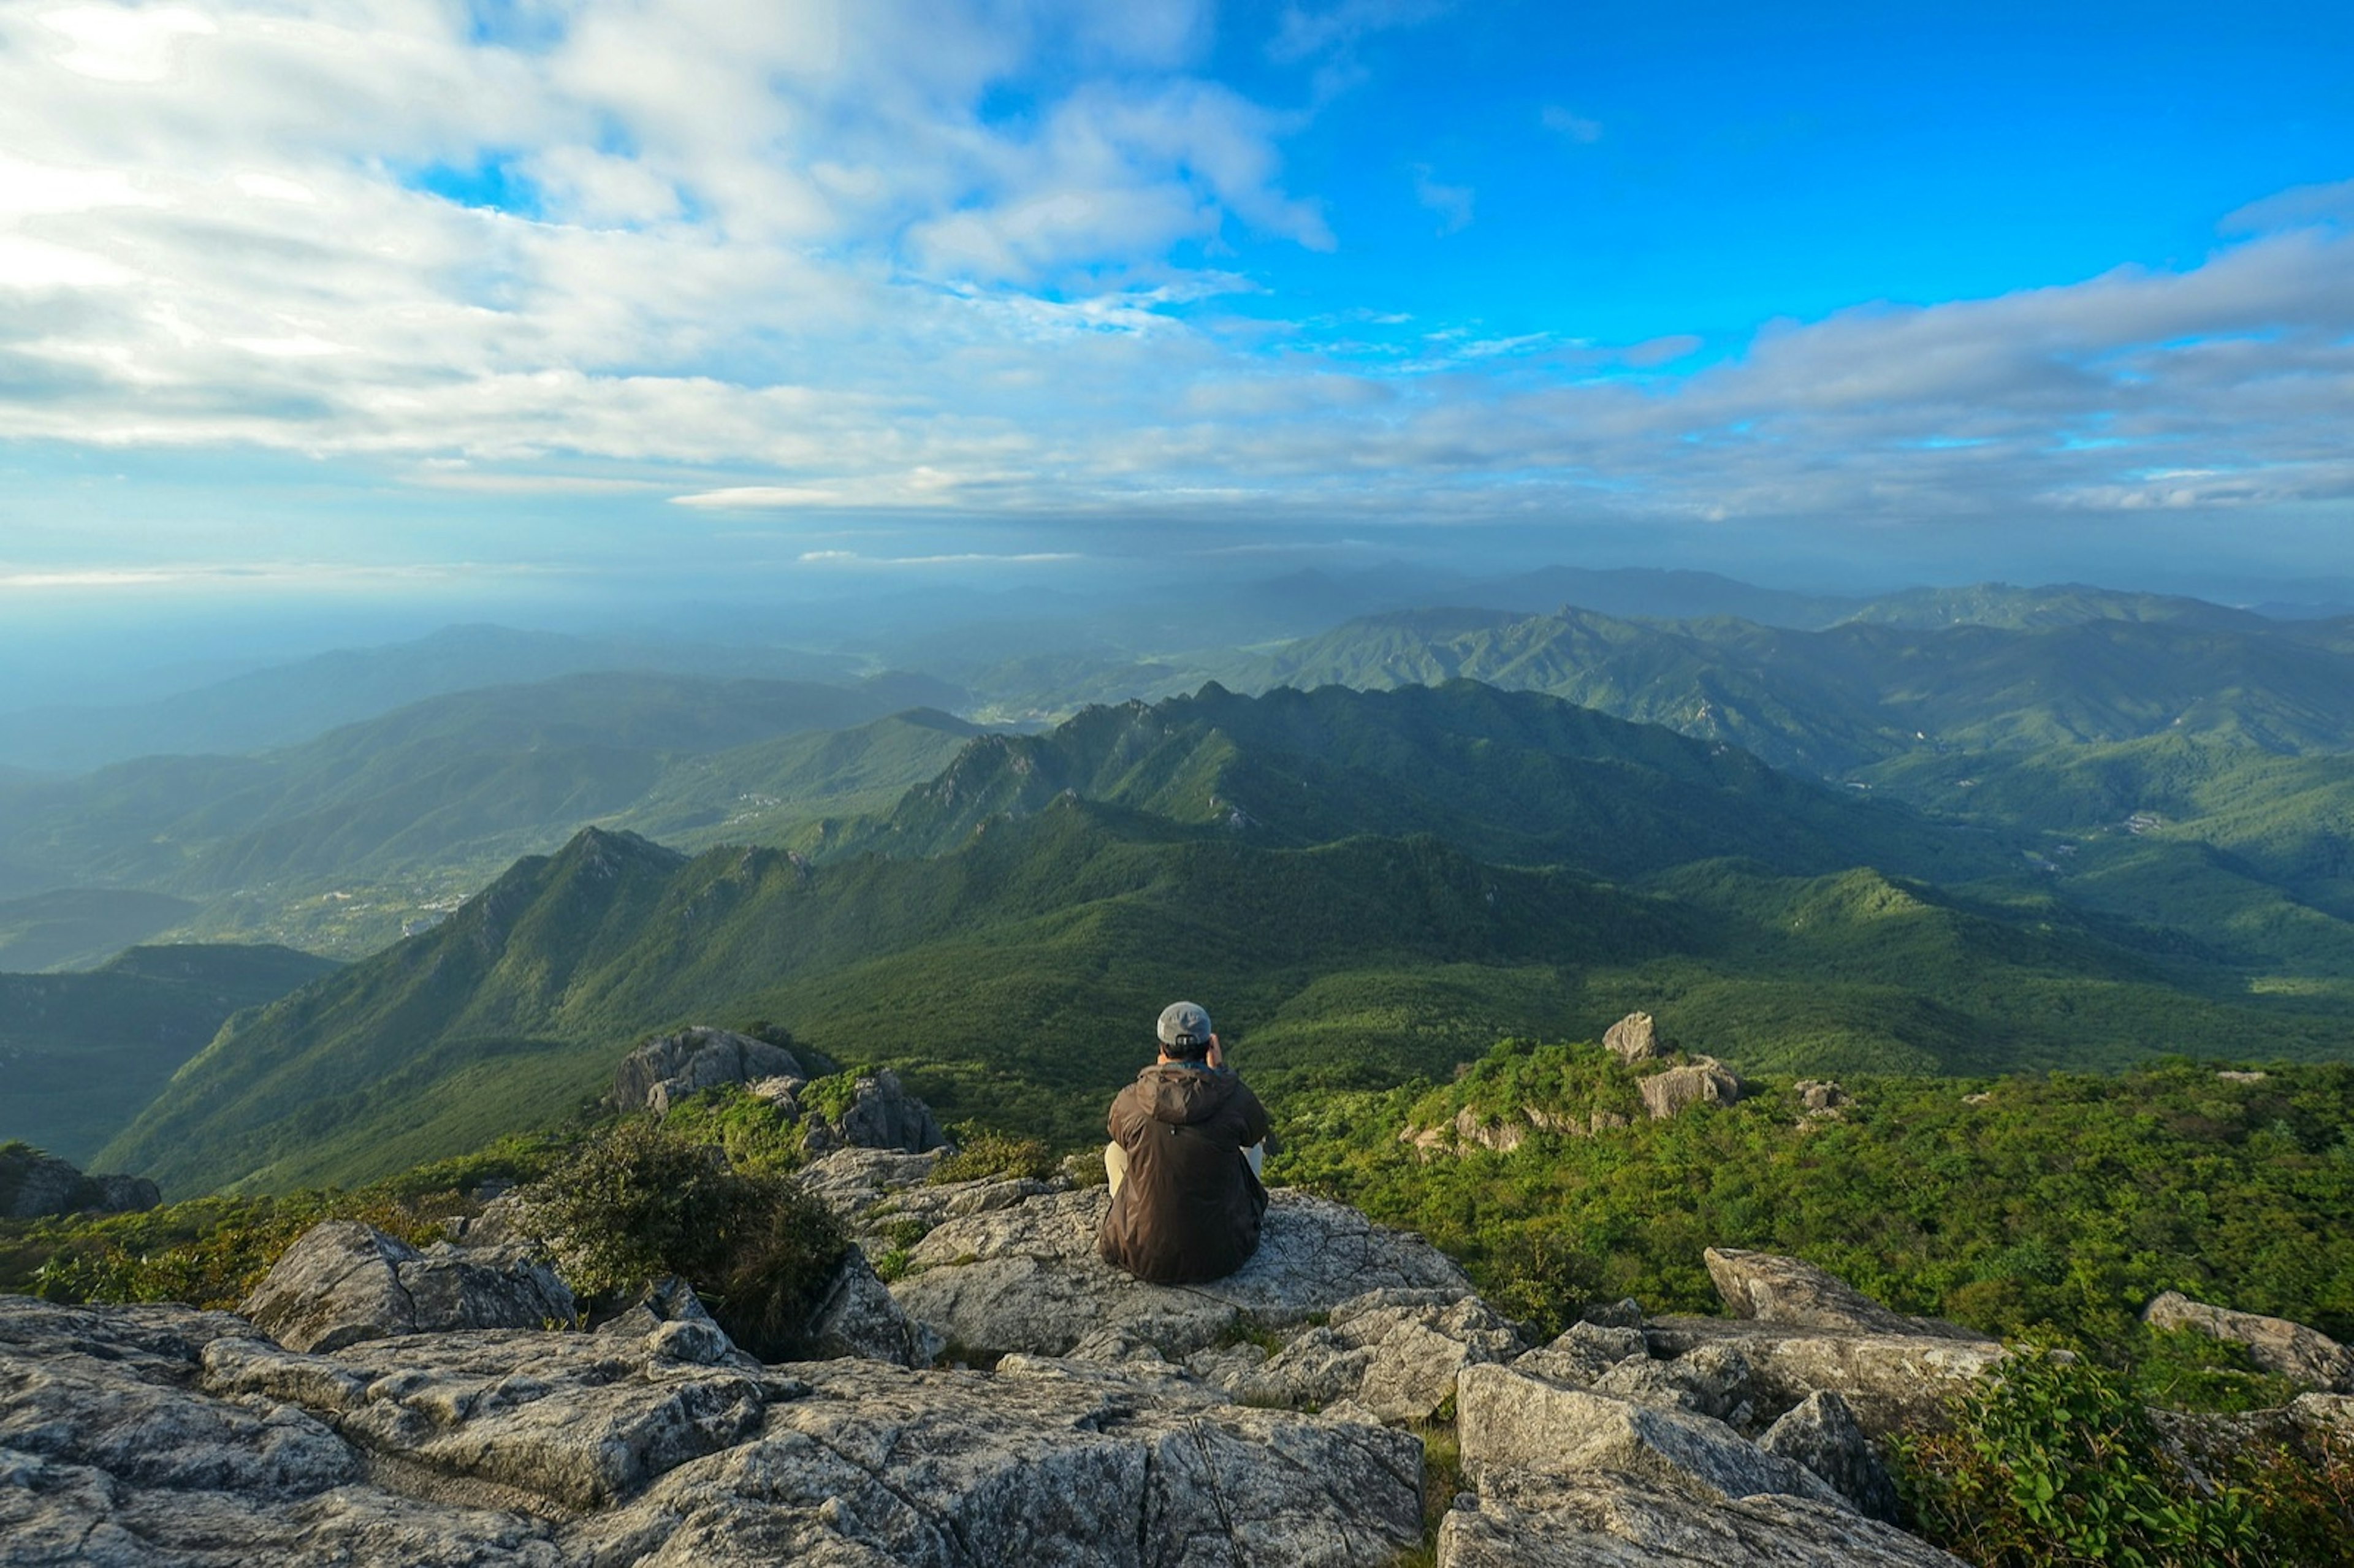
(670, 1067)
(1822, 1433)
(2305, 1356)
(1027, 1278)
(342, 1282)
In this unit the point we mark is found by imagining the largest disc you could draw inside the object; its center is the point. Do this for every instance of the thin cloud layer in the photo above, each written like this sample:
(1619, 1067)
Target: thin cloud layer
(989, 256)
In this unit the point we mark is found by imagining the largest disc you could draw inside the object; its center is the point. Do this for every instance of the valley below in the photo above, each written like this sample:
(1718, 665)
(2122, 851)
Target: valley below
(2004, 938)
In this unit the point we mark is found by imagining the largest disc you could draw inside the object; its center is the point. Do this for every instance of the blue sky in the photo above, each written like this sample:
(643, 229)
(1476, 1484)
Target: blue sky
(399, 299)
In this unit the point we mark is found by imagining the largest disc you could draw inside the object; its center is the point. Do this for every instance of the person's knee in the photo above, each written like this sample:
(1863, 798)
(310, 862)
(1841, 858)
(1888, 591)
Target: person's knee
(1114, 1165)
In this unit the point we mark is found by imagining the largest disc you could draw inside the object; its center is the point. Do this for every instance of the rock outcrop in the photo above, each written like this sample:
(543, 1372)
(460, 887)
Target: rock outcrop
(1802, 1331)
(343, 1283)
(1090, 1418)
(880, 1114)
(1027, 1278)
(670, 1067)
(34, 1185)
(160, 1437)
(1768, 1289)
(2305, 1356)
(1565, 1476)
(1822, 1433)
(1397, 1353)
(1703, 1081)
(1634, 1039)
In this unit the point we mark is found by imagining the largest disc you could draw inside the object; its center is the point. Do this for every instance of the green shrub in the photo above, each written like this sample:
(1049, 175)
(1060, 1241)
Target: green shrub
(639, 1202)
(2188, 1369)
(755, 1134)
(982, 1154)
(208, 1252)
(2059, 1463)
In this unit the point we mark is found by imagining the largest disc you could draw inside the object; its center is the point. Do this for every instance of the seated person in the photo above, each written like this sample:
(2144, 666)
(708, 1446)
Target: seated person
(1187, 1139)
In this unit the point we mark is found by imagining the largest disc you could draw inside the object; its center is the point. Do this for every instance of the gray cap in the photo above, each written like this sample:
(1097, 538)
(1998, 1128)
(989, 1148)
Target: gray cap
(1185, 1024)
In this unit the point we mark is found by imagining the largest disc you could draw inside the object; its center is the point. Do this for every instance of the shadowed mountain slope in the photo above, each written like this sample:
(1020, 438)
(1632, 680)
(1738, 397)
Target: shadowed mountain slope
(83, 1053)
(1047, 895)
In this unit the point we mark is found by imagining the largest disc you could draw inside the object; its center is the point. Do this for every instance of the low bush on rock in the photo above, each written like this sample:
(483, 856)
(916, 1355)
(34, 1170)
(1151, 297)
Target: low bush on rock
(758, 1135)
(212, 1252)
(2061, 1462)
(639, 1200)
(982, 1154)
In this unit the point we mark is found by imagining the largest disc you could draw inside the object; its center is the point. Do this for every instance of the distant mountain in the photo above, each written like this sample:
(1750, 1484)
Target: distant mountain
(1341, 941)
(83, 1053)
(1649, 594)
(2064, 604)
(1831, 701)
(77, 927)
(460, 783)
(1511, 776)
(287, 704)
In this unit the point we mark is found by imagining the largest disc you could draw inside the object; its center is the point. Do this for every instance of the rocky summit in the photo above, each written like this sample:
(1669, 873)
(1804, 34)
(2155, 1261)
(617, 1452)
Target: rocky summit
(1007, 1397)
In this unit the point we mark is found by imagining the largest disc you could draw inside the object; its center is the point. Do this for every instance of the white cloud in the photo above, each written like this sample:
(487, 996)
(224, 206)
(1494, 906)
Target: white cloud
(121, 43)
(1575, 127)
(791, 255)
(1451, 203)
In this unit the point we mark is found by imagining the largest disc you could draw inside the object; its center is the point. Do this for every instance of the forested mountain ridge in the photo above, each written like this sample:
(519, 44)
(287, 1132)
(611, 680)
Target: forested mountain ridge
(1515, 777)
(1368, 935)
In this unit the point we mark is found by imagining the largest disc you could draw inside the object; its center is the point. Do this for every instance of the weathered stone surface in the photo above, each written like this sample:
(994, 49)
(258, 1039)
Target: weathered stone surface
(881, 1115)
(34, 1184)
(1608, 1520)
(1027, 1278)
(578, 1419)
(1051, 1469)
(854, 1183)
(110, 1455)
(669, 1300)
(1823, 1435)
(1582, 1353)
(2302, 1355)
(105, 1388)
(342, 1282)
(1508, 1423)
(1710, 1380)
(1822, 1099)
(1769, 1288)
(1624, 1313)
(1503, 1136)
(538, 1449)
(1702, 1082)
(670, 1067)
(2325, 1413)
(858, 1317)
(1634, 1039)
(1892, 1382)
(1395, 1353)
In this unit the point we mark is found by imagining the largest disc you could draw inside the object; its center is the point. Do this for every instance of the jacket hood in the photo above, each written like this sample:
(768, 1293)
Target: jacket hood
(1184, 1094)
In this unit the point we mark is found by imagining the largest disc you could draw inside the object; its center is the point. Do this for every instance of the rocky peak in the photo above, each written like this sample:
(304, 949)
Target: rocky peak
(34, 1184)
(669, 1067)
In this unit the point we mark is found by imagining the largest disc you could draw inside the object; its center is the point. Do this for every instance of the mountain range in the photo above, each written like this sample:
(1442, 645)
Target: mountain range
(1376, 885)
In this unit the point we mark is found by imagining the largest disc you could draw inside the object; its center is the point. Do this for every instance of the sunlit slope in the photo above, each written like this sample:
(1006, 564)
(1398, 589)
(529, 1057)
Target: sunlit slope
(81, 1053)
(1362, 938)
(1512, 777)
(1831, 701)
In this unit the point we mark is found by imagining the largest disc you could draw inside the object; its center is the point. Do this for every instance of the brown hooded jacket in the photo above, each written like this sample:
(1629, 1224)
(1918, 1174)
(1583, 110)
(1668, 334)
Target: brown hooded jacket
(1190, 1207)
